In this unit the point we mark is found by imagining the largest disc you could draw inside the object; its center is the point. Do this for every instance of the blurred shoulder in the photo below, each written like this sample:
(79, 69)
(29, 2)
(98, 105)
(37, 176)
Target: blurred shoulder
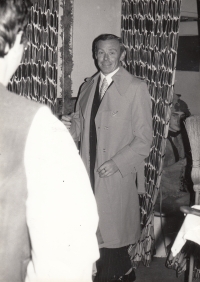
(11, 100)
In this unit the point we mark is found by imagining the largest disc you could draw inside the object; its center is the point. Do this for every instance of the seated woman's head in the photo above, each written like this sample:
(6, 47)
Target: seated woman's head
(175, 120)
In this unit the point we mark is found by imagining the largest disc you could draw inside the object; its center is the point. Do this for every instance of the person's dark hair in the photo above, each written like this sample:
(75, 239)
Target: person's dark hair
(14, 16)
(108, 37)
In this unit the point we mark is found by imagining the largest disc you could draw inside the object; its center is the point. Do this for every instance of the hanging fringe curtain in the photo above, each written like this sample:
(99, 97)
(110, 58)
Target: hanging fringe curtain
(67, 57)
(149, 29)
(37, 76)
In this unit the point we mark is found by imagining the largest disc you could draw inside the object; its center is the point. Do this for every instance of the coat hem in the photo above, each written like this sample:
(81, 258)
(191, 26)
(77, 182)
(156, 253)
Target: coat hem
(118, 244)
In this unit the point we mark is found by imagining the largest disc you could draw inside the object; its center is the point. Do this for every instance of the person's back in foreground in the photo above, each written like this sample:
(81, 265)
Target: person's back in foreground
(48, 215)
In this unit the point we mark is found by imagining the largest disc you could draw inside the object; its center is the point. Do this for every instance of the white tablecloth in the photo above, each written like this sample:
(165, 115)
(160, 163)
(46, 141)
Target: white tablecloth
(190, 230)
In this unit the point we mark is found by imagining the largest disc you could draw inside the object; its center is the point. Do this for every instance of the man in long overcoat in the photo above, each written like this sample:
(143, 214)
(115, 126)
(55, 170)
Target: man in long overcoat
(113, 124)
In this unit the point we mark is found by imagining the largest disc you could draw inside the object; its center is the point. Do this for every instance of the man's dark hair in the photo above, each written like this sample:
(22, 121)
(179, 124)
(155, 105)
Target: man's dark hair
(108, 37)
(14, 16)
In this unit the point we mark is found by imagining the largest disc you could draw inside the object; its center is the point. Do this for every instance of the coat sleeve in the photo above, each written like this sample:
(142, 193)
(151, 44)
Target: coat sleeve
(75, 129)
(61, 210)
(131, 158)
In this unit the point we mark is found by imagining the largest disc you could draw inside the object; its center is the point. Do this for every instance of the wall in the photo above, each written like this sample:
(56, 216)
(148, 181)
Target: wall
(187, 83)
(91, 18)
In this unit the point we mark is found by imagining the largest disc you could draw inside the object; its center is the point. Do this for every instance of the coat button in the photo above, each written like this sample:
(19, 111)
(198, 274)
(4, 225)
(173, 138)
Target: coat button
(104, 150)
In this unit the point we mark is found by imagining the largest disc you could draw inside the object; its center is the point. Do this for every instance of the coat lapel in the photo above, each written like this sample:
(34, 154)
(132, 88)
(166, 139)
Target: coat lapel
(87, 94)
(122, 80)
(120, 84)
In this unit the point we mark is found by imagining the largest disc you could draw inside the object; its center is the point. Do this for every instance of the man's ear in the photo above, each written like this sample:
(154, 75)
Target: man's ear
(123, 55)
(16, 44)
(18, 37)
(7, 48)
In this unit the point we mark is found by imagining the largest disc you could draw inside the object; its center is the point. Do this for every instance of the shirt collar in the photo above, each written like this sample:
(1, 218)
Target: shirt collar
(108, 76)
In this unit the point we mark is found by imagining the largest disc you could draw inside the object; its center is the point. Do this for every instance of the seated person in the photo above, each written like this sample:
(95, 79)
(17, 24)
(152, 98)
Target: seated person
(173, 182)
(180, 105)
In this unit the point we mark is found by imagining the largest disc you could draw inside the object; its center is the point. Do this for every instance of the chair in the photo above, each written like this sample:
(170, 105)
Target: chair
(192, 125)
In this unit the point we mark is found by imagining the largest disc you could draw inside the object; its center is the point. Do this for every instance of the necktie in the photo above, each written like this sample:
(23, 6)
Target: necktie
(104, 87)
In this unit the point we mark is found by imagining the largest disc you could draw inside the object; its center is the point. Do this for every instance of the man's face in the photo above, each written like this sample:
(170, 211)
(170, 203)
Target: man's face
(108, 55)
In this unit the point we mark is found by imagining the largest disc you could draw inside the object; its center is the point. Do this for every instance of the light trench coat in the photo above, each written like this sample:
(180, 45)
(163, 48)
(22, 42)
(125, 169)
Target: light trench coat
(124, 134)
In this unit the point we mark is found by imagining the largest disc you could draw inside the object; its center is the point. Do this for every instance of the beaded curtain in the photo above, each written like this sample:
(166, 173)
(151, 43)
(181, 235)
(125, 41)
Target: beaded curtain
(36, 77)
(149, 30)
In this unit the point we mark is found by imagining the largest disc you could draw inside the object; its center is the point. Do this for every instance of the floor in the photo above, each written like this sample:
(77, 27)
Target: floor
(157, 272)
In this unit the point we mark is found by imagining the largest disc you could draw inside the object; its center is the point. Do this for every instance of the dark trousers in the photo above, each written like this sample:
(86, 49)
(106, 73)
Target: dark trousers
(113, 264)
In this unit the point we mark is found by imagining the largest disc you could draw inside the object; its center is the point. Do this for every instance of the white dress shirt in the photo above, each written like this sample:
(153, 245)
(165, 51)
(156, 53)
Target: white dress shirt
(108, 77)
(61, 210)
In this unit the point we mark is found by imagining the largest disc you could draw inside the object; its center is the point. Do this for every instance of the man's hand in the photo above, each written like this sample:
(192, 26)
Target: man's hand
(107, 169)
(67, 120)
